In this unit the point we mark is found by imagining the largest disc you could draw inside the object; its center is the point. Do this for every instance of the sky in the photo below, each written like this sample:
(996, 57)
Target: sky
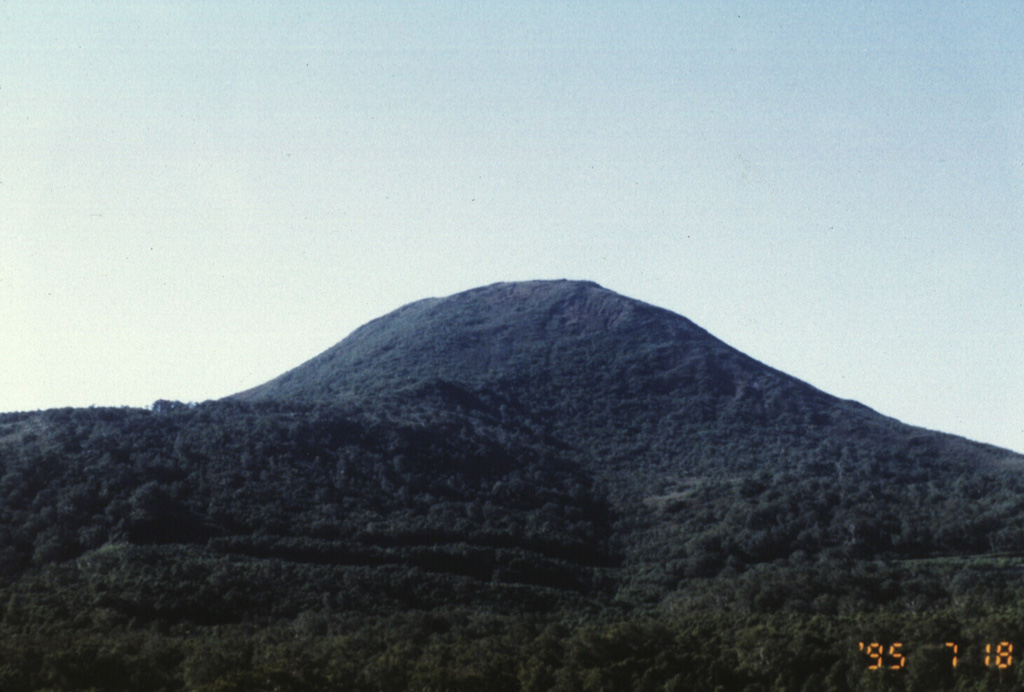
(198, 196)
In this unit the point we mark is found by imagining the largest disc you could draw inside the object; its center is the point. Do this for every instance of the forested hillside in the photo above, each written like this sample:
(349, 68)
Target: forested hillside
(540, 486)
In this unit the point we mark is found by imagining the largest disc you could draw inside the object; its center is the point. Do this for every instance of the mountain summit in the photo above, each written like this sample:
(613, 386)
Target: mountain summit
(571, 353)
(623, 379)
(530, 335)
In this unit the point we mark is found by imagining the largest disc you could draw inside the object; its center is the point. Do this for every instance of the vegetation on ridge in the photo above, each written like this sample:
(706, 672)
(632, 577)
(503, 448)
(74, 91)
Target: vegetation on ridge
(540, 486)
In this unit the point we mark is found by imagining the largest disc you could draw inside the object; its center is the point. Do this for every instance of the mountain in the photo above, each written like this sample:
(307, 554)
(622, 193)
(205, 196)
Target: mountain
(616, 376)
(657, 412)
(483, 468)
(566, 348)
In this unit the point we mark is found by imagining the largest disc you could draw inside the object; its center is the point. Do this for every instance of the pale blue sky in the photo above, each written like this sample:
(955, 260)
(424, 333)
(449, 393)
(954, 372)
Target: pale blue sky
(195, 197)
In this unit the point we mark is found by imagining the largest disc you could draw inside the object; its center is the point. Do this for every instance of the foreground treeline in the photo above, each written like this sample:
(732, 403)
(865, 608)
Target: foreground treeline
(455, 651)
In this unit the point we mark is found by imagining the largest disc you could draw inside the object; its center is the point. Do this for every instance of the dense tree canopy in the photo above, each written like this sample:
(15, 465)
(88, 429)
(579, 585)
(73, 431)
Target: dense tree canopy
(526, 487)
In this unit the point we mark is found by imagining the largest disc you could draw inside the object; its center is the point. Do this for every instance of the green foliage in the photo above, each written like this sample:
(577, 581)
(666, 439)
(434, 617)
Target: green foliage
(525, 487)
(459, 650)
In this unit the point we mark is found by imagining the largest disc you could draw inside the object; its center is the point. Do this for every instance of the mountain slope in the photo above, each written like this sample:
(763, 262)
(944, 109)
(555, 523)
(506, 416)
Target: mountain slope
(541, 334)
(614, 376)
(541, 453)
(666, 419)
